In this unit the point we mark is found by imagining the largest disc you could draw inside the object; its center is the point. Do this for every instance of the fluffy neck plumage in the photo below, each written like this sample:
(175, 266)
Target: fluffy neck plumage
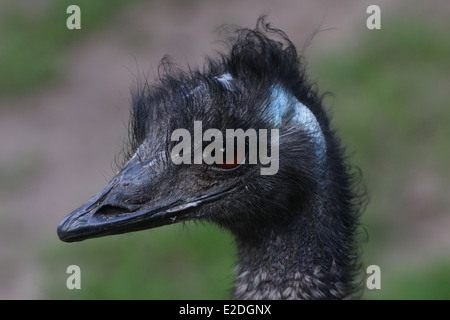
(309, 257)
(288, 265)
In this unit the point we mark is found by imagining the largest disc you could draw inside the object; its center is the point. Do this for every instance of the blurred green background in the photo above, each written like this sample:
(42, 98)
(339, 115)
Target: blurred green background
(64, 99)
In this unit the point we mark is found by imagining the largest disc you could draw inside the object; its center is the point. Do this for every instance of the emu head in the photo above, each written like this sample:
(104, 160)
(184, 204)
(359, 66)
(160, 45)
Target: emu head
(259, 84)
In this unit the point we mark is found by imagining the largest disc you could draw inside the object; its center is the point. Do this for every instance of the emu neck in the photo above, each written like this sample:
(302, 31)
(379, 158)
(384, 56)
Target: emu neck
(291, 261)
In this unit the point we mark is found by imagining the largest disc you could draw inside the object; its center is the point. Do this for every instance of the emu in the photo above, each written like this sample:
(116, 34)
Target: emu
(296, 230)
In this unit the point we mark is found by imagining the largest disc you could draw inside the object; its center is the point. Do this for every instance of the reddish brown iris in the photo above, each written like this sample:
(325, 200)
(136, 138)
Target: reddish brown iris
(230, 165)
(237, 160)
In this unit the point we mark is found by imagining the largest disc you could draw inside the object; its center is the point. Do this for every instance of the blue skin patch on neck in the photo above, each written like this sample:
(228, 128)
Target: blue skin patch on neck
(285, 107)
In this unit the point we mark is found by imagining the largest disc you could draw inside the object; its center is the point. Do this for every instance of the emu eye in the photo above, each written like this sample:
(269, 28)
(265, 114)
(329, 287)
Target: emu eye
(236, 162)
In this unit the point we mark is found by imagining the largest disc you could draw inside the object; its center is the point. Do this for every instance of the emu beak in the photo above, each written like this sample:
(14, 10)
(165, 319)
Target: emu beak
(134, 200)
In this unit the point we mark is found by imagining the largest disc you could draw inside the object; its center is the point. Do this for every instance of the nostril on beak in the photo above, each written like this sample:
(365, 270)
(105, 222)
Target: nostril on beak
(112, 211)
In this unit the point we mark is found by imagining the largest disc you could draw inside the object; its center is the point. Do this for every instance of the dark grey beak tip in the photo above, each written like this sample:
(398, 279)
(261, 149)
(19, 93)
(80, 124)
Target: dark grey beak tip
(79, 225)
(66, 229)
(61, 231)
